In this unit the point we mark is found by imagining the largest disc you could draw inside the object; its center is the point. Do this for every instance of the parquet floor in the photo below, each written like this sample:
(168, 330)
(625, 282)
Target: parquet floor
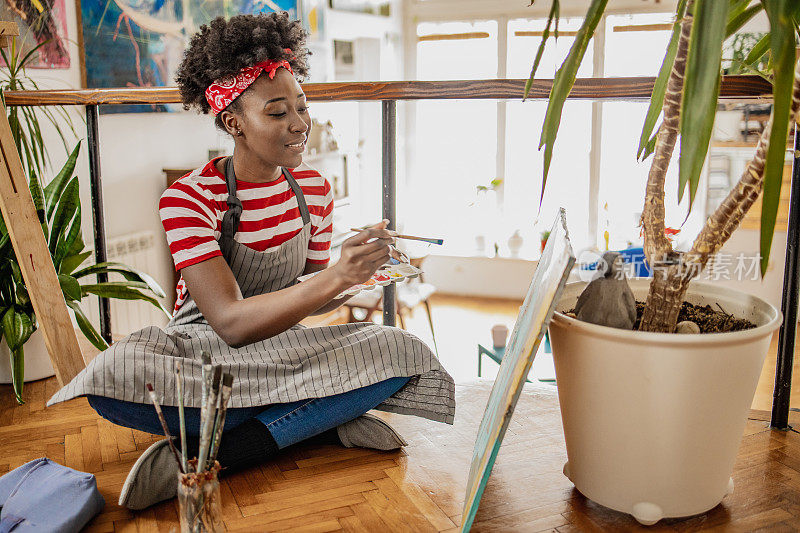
(421, 488)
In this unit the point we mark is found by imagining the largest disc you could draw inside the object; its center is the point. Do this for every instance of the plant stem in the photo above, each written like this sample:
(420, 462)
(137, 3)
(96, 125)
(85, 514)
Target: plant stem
(657, 247)
(669, 284)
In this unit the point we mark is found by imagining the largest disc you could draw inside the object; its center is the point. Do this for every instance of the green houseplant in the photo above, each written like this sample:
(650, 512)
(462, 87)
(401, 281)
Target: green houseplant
(668, 410)
(59, 210)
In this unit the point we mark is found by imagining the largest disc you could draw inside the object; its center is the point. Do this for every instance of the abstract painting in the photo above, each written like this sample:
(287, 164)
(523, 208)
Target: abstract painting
(40, 22)
(140, 43)
(546, 286)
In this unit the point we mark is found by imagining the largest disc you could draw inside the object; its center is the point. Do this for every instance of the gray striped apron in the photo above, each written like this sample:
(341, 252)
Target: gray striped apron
(302, 362)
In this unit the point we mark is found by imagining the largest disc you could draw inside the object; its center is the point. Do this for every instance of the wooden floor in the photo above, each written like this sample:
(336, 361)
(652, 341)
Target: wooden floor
(421, 488)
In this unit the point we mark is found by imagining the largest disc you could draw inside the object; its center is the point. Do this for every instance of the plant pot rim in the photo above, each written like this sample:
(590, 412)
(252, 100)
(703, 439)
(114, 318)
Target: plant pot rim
(687, 340)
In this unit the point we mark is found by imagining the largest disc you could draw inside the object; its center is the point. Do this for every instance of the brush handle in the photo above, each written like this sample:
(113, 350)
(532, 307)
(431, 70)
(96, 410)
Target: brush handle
(408, 237)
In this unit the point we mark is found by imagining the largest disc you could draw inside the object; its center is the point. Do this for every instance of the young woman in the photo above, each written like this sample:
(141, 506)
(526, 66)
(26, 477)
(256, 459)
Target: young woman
(241, 230)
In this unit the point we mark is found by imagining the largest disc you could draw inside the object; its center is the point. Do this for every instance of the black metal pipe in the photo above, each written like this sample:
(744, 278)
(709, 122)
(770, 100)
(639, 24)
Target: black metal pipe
(389, 140)
(92, 119)
(789, 300)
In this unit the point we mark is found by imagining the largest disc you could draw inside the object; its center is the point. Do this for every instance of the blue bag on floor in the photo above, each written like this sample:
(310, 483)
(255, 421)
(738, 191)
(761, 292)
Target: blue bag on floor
(45, 496)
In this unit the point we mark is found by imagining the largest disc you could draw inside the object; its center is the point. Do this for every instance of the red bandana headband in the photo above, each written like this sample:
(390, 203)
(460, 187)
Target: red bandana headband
(222, 92)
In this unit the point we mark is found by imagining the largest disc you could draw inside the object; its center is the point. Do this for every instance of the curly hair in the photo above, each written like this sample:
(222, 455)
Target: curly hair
(223, 47)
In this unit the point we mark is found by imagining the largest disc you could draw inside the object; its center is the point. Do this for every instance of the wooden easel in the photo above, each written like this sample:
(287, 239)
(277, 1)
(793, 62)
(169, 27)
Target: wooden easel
(27, 238)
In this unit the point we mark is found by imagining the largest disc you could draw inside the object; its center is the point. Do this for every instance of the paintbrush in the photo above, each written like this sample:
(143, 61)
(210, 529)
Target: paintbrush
(164, 426)
(219, 424)
(409, 237)
(207, 423)
(206, 383)
(181, 415)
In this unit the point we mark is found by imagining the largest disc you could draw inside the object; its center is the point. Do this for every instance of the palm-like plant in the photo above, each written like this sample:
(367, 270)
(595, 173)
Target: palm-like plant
(25, 125)
(59, 211)
(685, 96)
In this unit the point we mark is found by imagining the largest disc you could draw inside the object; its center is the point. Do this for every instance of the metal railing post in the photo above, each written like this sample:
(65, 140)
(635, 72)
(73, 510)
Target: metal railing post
(791, 285)
(92, 118)
(389, 140)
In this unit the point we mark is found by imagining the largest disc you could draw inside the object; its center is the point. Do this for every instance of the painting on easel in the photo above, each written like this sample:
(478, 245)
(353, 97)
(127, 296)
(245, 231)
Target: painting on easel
(547, 284)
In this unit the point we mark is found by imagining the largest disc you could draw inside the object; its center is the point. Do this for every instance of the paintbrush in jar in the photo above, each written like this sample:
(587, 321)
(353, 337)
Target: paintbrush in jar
(181, 415)
(207, 423)
(164, 426)
(219, 424)
(207, 370)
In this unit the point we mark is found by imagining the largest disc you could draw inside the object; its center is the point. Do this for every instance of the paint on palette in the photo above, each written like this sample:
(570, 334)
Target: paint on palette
(390, 273)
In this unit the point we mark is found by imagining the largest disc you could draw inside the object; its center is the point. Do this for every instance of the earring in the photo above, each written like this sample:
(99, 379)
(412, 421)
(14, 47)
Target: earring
(239, 133)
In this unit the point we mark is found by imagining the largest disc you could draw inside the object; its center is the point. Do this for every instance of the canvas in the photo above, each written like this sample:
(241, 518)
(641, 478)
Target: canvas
(546, 286)
(140, 43)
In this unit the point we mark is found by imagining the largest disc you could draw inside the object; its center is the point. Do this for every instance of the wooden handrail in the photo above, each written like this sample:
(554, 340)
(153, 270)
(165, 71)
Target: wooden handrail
(635, 88)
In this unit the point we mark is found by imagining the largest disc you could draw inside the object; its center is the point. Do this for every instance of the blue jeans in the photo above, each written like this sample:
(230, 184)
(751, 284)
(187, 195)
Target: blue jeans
(288, 423)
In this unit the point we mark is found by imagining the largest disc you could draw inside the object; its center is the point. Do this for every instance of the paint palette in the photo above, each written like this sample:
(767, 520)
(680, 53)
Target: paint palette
(388, 273)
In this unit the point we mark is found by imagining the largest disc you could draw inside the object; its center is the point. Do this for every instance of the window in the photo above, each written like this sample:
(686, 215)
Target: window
(635, 46)
(455, 146)
(568, 178)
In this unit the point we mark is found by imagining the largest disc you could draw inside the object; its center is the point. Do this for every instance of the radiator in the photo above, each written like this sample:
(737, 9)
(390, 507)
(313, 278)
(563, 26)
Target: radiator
(138, 251)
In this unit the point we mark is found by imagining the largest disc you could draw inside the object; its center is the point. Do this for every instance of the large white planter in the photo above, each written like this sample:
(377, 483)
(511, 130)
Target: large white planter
(37, 359)
(653, 421)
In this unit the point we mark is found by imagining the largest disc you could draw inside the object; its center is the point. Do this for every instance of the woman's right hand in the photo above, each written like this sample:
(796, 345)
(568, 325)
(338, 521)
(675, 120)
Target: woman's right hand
(360, 259)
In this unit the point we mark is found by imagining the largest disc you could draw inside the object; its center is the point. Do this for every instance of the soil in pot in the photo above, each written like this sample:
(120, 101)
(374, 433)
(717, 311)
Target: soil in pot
(708, 319)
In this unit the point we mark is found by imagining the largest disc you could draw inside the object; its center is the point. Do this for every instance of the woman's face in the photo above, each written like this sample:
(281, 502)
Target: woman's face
(274, 120)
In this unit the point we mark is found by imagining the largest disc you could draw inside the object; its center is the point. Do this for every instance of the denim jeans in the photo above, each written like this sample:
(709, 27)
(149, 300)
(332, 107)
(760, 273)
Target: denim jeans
(288, 423)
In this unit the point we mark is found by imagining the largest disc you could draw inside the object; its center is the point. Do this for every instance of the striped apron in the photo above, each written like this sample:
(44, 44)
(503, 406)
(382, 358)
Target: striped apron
(300, 363)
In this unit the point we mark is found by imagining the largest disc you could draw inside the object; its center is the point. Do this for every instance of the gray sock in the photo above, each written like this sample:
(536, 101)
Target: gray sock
(153, 478)
(368, 431)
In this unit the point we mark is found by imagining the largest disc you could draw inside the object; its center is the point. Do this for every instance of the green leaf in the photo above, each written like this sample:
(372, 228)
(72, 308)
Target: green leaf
(660, 85)
(700, 90)
(63, 246)
(554, 13)
(122, 290)
(70, 287)
(86, 327)
(18, 372)
(650, 147)
(53, 190)
(128, 272)
(73, 261)
(740, 15)
(782, 49)
(563, 82)
(38, 197)
(66, 208)
(17, 328)
(758, 51)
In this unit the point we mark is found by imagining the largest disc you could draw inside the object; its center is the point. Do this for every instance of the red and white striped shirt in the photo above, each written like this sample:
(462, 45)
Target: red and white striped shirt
(192, 209)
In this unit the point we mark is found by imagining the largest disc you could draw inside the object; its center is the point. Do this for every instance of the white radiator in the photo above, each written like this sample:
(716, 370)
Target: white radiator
(138, 251)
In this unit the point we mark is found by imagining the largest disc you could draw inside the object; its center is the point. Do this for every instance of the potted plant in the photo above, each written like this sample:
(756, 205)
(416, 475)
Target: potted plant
(59, 210)
(58, 205)
(653, 419)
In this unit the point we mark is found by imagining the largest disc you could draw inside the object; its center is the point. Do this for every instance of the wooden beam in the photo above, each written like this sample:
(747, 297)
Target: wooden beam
(8, 30)
(632, 88)
(540, 33)
(453, 36)
(644, 27)
(35, 262)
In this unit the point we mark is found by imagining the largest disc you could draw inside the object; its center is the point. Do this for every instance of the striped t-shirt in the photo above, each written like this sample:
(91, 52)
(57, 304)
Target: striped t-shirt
(192, 209)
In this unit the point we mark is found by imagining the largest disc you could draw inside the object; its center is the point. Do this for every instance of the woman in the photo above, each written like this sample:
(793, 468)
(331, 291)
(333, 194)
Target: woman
(241, 230)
